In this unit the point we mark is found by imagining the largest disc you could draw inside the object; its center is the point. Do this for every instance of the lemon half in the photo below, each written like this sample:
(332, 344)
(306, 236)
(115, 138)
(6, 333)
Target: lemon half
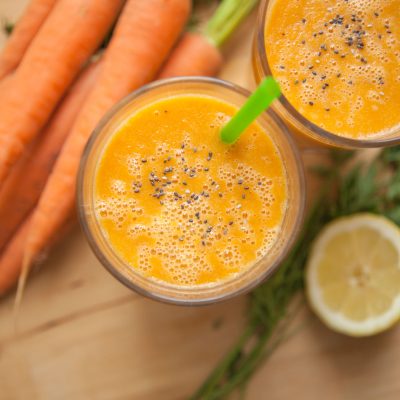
(353, 274)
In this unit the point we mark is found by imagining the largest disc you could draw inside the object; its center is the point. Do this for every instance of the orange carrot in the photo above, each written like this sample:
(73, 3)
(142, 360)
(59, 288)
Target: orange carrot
(23, 33)
(193, 55)
(24, 184)
(145, 33)
(198, 53)
(12, 256)
(5, 84)
(68, 37)
(11, 259)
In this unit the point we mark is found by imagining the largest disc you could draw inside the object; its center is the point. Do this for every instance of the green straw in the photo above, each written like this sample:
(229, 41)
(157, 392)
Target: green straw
(258, 102)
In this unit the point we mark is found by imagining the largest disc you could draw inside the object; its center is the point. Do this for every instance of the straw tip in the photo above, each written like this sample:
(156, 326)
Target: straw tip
(226, 136)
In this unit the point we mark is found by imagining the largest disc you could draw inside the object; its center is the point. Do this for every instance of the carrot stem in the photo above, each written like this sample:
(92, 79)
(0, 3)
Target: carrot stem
(226, 18)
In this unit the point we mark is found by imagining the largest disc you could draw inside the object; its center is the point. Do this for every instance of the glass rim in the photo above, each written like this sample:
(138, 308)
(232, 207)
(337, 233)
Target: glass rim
(317, 132)
(120, 276)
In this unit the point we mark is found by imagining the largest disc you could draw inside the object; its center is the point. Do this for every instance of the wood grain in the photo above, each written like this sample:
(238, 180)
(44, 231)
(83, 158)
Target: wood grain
(81, 335)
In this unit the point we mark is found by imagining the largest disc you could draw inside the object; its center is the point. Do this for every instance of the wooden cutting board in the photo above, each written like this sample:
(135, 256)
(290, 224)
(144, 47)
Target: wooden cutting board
(82, 335)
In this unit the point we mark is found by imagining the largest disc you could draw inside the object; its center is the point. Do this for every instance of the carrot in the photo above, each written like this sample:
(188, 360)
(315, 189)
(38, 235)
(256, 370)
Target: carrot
(68, 37)
(11, 259)
(12, 256)
(199, 53)
(193, 55)
(24, 184)
(5, 84)
(145, 33)
(23, 33)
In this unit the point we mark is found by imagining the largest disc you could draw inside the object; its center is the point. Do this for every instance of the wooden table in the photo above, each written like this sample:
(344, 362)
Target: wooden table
(82, 335)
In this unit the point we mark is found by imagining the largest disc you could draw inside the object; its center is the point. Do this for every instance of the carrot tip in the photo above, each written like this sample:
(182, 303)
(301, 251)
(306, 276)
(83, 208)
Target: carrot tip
(26, 264)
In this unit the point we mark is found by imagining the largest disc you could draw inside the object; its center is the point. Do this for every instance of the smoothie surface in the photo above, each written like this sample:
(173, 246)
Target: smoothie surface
(178, 205)
(338, 62)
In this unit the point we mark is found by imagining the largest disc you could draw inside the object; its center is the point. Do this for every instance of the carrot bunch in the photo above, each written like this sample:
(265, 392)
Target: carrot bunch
(53, 95)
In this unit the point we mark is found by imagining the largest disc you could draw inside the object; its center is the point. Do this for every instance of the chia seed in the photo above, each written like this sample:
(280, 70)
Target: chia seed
(159, 194)
(168, 170)
(338, 20)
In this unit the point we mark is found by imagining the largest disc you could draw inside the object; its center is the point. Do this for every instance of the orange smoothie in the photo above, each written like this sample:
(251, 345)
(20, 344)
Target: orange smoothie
(179, 206)
(338, 62)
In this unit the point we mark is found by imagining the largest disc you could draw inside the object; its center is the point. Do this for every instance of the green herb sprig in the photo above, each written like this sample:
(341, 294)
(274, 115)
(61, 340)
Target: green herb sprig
(366, 187)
